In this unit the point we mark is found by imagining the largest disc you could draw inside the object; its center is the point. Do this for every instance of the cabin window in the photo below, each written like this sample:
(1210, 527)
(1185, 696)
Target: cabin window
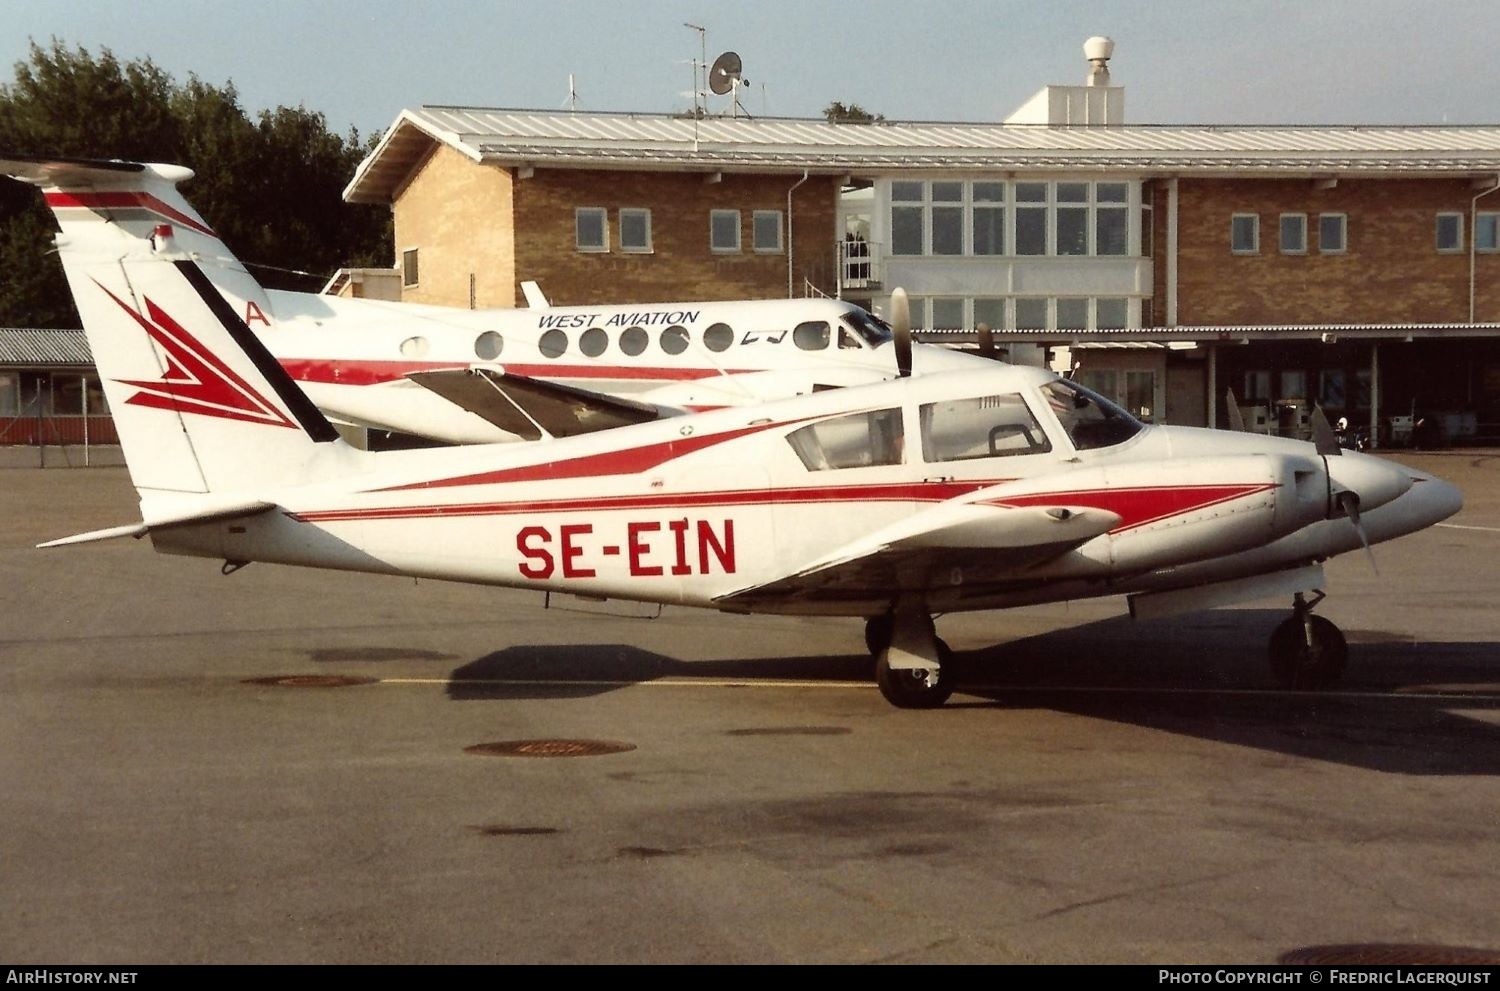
(982, 427)
(635, 230)
(593, 342)
(488, 345)
(633, 340)
(591, 228)
(553, 343)
(674, 340)
(855, 440)
(724, 231)
(409, 268)
(718, 337)
(414, 347)
(813, 335)
(766, 229)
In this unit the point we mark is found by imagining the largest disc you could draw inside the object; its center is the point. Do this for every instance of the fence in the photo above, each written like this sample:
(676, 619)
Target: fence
(61, 422)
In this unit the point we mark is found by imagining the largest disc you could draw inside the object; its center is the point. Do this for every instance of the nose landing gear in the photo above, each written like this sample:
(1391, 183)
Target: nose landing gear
(1307, 652)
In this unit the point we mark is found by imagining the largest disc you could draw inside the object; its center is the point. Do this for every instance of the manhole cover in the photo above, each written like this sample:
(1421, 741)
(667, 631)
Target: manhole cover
(1392, 954)
(311, 681)
(549, 748)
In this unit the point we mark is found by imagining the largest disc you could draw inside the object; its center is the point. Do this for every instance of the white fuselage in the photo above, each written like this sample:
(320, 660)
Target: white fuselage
(352, 356)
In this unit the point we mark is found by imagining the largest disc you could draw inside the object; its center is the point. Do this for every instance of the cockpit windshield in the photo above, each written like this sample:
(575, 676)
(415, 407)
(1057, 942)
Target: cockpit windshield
(1090, 420)
(867, 325)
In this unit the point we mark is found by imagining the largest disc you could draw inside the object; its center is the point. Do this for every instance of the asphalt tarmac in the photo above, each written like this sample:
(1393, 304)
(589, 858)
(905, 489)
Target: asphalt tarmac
(185, 777)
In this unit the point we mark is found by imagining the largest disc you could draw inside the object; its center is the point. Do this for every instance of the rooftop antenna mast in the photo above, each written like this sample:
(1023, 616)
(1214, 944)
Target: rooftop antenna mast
(700, 65)
(725, 78)
(572, 100)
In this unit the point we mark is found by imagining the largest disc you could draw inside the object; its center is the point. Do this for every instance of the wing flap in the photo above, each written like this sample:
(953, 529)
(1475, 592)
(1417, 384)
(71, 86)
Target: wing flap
(534, 408)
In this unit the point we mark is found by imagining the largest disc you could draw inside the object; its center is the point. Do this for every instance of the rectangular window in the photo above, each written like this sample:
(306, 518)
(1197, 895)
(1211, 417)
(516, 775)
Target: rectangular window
(1072, 314)
(983, 427)
(1487, 232)
(1111, 218)
(908, 219)
(1031, 314)
(635, 230)
(1031, 218)
(766, 228)
(947, 314)
(947, 218)
(1111, 314)
(989, 219)
(10, 394)
(1333, 233)
(408, 268)
(1450, 232)
(1072, 218)
(1140, 394)
(591, 228)
(724, 230)
(1294, 233)
(1244, 234)
(990, 312)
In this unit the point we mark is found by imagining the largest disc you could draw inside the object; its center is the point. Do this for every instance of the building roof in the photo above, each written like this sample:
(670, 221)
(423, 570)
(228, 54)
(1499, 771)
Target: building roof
(666, 142)
(40, 348)
(1328, 333)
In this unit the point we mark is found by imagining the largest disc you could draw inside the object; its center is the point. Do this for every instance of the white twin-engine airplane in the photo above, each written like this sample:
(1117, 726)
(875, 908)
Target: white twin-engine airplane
(480, 376)
(893, 501)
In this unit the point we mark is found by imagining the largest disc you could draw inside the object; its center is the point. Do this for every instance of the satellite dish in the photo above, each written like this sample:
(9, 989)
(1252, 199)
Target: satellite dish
(724, 73)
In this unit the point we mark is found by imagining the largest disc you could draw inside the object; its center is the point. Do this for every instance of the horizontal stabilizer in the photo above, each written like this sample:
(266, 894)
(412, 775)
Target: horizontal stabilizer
(201, 514)
(41, 171)
(531, 408)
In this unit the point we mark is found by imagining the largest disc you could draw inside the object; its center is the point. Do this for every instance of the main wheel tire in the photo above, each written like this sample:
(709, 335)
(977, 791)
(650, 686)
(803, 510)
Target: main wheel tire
(908, 689)
(878, 631)
(1298, 665)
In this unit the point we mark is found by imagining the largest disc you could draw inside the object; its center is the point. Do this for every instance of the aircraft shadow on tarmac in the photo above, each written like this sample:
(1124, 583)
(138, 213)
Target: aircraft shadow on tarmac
(1400, 708)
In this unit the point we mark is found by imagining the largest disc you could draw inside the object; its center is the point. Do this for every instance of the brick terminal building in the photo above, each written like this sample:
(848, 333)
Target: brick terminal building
(1356, 267)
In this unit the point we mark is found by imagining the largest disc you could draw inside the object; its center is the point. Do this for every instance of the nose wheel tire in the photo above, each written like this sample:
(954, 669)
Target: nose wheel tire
(1308, 656)
(919, 688)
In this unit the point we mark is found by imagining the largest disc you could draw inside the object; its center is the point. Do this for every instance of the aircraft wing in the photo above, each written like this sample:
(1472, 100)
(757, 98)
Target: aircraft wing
(533, 408)
(974, 544)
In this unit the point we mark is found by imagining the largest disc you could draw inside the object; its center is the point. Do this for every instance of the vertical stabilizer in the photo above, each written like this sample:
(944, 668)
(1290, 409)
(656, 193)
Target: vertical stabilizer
(199, 403)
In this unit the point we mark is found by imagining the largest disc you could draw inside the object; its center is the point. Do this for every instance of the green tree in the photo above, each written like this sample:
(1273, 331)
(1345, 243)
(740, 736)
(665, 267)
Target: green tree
(837, 113)
(271, 186)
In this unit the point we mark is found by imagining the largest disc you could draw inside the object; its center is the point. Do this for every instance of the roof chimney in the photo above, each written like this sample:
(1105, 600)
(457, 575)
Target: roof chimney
(1098, 50)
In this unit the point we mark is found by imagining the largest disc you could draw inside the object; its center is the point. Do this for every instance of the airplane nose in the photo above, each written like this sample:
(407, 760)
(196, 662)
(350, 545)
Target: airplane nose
(1374, 480)
(1434, 499)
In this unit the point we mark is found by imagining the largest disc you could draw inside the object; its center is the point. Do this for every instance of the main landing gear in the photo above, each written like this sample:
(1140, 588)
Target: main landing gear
(1307, 652)
(912, 664)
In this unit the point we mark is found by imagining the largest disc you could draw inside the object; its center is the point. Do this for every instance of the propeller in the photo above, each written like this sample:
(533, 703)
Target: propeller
(1347, 500)
(1232, 407)
(986, 340)
(901, 324)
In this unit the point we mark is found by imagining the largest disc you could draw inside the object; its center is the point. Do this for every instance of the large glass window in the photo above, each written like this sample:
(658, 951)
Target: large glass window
(1072, 218)
(947, 218)
(1031, 314)
(947, 313)
(856, 440)
(982, 427)
(1112, 218)
(908, 227)
(1072, 314)
(989, 218)
(1031, 218)
(10, 394)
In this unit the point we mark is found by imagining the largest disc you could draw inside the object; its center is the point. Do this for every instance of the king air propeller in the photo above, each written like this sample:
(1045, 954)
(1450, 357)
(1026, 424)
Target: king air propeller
(1346, 500)
(901, 326)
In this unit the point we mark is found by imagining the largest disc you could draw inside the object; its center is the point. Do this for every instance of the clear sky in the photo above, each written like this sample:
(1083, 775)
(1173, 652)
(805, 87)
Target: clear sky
(1206, 62)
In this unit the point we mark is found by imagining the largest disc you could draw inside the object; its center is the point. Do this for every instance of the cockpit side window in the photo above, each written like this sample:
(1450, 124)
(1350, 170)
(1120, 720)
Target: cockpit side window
(867, 325)
(981, 427)
(812, 335)
(855, 440)
(848, 341)
(1091, 420)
